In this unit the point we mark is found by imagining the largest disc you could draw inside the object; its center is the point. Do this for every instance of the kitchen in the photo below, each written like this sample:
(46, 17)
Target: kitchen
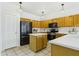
(47, 35)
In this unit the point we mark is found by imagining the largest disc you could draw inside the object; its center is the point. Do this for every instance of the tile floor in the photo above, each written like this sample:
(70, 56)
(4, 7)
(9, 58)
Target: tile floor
(25, 51)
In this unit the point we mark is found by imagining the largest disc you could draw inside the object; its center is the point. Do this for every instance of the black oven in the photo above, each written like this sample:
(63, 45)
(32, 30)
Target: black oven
(53, 29)
(51, 36)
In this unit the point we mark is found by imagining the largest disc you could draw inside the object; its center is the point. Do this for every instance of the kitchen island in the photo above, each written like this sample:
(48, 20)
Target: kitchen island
(67, 45)
(38, 41)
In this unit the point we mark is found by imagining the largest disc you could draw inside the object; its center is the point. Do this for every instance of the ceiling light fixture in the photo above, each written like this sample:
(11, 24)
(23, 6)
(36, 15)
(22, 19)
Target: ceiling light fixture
(62, 5)
(20, 5)
(42, 14)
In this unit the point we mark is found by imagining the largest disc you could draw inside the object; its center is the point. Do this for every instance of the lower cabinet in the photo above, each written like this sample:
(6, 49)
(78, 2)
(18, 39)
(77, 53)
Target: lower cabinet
(45, 40)
(38, 42)
(57, 50)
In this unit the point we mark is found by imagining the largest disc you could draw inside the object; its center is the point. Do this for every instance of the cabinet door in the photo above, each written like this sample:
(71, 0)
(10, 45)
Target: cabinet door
(35, 24)
(39, 43)
(44, 41)
(61, 22)
(54, 20)
(43, 24)
(76, 20)
(69, 21)
(33, 43)
(11, 31)
(38, 24)
(25, 19)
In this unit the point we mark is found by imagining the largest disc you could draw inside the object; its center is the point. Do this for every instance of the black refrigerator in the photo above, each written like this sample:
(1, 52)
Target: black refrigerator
(25, 30)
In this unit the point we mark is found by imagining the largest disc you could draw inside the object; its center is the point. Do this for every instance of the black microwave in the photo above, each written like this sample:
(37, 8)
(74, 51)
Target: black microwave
(53, 27)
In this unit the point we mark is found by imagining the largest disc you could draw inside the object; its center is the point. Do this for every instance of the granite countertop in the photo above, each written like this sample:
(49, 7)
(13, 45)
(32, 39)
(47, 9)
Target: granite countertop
(68, 41)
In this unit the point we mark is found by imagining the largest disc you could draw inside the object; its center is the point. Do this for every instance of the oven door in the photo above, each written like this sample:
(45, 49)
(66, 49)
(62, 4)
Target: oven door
(51, 36)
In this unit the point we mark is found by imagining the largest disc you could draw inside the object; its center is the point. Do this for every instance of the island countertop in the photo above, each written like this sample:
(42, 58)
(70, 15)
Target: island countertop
(68, 41)
(38, 34)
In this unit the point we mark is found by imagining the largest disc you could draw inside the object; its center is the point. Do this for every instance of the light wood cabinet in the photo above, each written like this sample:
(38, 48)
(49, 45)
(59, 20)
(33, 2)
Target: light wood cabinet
(44, 24)
(35, 24)
(69, 21)
(25, 19)
(33, 42)
(61, 22)
(64, 21)
(76, 20)
(38, 42)
(45, 40)
(57, 50)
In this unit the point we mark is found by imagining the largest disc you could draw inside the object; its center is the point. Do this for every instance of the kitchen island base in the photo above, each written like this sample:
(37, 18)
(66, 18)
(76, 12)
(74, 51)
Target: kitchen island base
(38, 41)
(57, 50)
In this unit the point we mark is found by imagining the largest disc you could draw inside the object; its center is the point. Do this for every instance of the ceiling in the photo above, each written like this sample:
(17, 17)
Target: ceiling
(48, 7)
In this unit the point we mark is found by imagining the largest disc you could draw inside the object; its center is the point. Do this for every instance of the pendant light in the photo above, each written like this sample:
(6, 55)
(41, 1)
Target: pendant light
(20, 9)
(62, 7)
(20, 4)
(42, 14)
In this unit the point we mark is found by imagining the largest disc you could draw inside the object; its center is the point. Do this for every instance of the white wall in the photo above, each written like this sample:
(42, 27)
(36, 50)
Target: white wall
(67, 29)
(12, 10)
(0, 33)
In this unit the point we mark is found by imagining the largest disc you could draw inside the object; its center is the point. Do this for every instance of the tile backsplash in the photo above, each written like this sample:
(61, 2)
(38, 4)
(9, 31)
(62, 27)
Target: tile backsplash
(40, 30)
(67, 29)
(62, 29)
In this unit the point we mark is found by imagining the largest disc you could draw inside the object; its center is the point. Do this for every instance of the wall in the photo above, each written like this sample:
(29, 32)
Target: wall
(0, 33)
(67, 29)
(34, 30)
(12, 10)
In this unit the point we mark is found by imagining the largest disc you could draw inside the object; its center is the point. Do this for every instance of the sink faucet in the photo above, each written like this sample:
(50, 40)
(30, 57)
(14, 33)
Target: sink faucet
(73, 30)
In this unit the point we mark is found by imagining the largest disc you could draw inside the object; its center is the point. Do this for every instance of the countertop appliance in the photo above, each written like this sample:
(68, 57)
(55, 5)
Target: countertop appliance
(25, 29)
(53, 29)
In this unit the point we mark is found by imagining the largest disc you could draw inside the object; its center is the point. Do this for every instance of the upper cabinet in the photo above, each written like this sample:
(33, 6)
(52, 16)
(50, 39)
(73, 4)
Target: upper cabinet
(60, 21)
(76, 20)
(69, 21)
(25, 19)
(43, 24)
(35, 24)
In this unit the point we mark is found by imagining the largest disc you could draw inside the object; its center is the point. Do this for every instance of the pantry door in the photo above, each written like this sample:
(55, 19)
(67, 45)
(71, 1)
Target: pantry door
(11, 31)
